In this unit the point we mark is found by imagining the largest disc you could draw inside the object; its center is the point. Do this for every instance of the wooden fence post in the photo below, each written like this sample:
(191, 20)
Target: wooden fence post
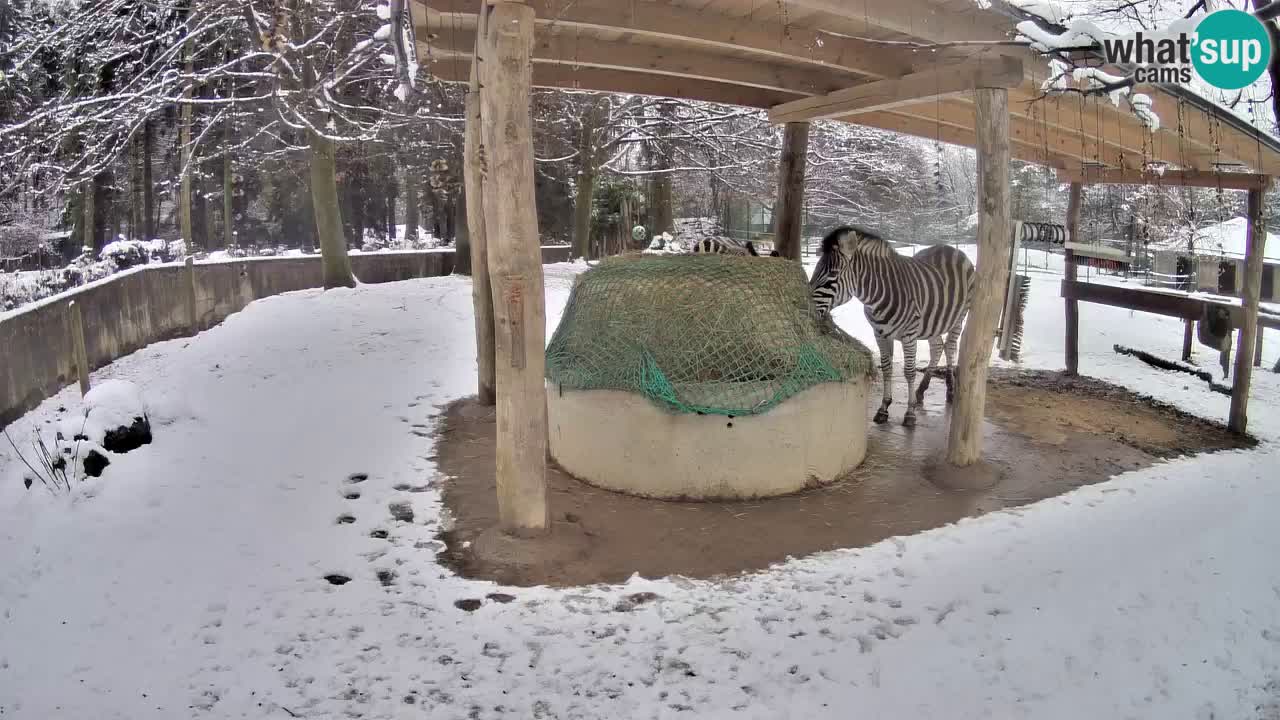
(964, 443)
(1072, 347)
(1188, 337)
(1238, 420)
(1257, 348)
(78, 354)
(515, 268)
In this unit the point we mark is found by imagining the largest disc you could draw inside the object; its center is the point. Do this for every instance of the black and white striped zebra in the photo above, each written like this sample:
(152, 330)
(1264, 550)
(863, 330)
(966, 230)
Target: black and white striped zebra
(724, 246)
(907, 299)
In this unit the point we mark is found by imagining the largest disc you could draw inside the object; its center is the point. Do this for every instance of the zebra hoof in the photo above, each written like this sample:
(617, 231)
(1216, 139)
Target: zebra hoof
(881, 417)
(908, 421)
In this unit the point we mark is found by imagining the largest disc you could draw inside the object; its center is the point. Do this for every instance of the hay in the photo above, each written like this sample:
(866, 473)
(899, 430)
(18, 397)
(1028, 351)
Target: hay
(710, 334)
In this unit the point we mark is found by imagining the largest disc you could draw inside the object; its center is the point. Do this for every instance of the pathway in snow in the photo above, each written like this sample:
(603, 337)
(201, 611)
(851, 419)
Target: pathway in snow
(190, 580)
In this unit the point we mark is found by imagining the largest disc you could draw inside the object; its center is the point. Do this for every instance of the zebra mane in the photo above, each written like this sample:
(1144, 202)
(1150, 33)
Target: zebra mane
(832, 240)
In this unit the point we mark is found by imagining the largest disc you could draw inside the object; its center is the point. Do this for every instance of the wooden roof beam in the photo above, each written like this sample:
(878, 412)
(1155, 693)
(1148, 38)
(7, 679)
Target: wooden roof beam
(1031, 133)
(928, 129)
(1177, 178)
(660, 21)
(927, 21)
(567, 49)
(566, 77)
(929, 85)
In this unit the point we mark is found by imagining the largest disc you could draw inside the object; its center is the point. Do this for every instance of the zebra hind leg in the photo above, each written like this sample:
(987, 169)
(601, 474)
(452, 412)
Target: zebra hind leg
(953, 340)
(886, 373)
(935, 353)
(909, 372)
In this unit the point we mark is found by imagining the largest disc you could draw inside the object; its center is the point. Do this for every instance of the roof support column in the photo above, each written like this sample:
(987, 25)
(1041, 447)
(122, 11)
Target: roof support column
(515, 267)
(788, 211)
(473, 178)
(1238, 420)
(1072, 347)
(964, 445)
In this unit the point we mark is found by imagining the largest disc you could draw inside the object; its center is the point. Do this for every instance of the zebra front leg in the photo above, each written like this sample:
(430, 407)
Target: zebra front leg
(953, 340)
(886, 374)
(909, 372)
(935, 353)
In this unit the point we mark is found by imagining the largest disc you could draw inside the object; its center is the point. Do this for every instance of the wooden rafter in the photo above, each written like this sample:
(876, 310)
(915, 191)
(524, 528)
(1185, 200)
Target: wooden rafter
(666, 22)
(567, 77)
(1177, 178)
(928, 85)
(566, 49)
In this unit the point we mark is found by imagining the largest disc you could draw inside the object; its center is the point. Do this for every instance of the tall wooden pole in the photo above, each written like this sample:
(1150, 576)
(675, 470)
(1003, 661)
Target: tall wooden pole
(788, 212)
(964, 444)
(1238, 420)
(473, 178)
(1072, 346)
(515, 268)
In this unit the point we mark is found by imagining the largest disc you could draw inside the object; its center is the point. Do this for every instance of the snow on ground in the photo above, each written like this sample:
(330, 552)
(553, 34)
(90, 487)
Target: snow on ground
(188, 580)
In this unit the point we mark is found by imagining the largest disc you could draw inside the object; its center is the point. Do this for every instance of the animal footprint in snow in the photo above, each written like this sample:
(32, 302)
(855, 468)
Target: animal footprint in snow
(355, 478)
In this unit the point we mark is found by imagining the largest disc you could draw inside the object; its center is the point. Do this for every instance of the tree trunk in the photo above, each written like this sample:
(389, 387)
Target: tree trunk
(787, 213)
(90, 237)
(515, 266)
(462, 243)
(586, 183)
(228, 180)
(964, 445)
(324, 201)
(184, 140)
(1238, 419)
(391, 204)
(582, 210)
(411, 220)
(133, 226)
(148, 184)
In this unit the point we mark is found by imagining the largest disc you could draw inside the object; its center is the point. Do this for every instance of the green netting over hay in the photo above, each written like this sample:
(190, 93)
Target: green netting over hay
(708, 334)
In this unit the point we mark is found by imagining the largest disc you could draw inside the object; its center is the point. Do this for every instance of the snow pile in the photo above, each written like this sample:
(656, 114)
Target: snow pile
(110, 405)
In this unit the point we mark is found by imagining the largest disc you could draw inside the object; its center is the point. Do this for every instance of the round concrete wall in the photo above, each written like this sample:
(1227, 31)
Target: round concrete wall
(621, 441)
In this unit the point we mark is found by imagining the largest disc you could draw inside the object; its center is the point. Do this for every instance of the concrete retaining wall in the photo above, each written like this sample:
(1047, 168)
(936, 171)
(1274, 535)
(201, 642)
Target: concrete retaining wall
(129, 311)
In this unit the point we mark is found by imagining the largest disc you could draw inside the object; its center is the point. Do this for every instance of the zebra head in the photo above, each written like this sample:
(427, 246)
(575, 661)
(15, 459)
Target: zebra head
(832, 282)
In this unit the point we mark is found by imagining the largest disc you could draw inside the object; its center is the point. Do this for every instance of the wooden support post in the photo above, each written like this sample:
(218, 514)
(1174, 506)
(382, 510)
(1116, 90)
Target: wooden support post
(787, 213)
(1074, 201)
(79, 357)
(515, 268)
(964, 444)
(189, 278)
(1257, 348)
(1238, 420)
(1188, 338)
(473, 170)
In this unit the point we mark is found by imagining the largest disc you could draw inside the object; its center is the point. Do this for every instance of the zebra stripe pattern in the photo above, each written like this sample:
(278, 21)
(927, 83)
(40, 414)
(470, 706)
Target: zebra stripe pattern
(907, 299)
(723, 246)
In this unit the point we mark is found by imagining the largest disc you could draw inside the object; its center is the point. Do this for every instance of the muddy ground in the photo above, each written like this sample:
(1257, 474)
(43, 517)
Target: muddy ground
(1045, 432)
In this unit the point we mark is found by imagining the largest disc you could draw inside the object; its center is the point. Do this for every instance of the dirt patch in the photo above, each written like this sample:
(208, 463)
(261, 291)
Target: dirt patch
(1045, 434)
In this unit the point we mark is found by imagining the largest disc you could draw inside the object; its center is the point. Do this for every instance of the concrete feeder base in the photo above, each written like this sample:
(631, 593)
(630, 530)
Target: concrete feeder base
(621, 441)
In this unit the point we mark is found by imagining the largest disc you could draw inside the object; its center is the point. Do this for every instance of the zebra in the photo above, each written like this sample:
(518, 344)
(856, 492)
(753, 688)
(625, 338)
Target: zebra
(905, 299)
(725, 246)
